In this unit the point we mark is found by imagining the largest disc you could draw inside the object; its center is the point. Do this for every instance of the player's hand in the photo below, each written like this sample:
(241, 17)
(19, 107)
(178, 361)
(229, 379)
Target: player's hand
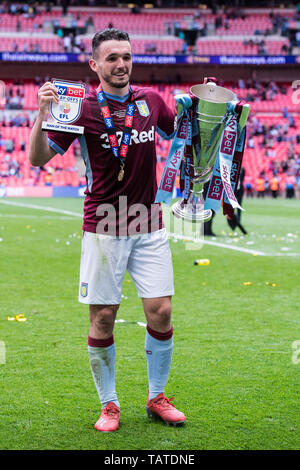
(183, 100)
(47, 93)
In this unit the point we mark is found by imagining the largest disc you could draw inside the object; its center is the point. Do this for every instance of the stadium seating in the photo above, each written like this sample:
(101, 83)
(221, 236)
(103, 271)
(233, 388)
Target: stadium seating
(152, 32)
(65, 173)
(151, 22)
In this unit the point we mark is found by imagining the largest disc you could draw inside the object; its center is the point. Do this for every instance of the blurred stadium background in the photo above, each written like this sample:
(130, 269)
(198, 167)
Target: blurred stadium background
(252, 50)
(235, 370)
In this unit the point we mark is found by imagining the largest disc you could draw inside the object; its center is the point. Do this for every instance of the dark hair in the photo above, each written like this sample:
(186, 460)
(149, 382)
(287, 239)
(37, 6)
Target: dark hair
(108, 35)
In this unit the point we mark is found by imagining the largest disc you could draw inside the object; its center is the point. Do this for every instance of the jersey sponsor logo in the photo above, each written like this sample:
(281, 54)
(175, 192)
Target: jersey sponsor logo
(136, 138)
(143, 108)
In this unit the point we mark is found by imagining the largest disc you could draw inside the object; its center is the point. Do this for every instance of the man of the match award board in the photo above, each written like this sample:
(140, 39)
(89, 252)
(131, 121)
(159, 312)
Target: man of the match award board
(68, 110)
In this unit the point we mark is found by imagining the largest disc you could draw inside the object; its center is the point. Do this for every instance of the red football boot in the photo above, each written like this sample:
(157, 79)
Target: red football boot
(162, 407)
(109, 419)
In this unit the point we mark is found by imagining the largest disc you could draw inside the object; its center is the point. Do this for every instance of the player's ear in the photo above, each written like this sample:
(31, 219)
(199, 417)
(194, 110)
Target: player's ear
(93, 64)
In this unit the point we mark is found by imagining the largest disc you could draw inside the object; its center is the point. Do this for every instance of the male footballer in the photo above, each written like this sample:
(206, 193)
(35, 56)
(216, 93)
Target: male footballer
(122, 227)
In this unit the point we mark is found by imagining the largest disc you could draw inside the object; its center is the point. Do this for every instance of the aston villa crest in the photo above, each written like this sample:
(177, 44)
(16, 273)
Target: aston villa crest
(143, 108)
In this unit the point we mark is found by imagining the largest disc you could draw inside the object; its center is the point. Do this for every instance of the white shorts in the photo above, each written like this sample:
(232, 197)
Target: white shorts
(105, 259)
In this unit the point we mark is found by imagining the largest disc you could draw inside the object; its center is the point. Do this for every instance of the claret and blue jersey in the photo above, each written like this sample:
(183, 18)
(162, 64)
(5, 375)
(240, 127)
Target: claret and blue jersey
(102, 167)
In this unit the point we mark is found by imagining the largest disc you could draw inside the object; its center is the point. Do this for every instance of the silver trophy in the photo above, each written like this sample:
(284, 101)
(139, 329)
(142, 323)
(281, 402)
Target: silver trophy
(210, 113)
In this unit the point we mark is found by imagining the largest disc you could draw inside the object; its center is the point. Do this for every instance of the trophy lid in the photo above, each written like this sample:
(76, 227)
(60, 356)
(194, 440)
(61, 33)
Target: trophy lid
(212, 92)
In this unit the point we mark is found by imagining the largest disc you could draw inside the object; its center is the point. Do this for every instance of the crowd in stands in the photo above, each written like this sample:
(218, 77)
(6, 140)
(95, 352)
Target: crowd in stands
(279, 170)
(279, 175)
(69, 29)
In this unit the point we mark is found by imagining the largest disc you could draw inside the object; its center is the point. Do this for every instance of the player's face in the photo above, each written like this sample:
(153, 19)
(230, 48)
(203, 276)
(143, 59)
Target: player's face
(113, 63)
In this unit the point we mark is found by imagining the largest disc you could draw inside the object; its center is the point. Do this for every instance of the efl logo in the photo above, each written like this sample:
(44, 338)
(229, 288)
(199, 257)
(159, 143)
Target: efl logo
(70, 91)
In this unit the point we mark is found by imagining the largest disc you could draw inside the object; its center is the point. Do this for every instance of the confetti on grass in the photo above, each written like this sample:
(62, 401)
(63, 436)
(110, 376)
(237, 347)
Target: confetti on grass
(19, 317)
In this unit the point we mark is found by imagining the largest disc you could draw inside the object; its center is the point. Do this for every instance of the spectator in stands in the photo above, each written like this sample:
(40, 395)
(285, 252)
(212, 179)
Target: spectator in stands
(251, 144)
(14, 168)
(297, 187)
(48, 179)
(274, 185)
(290, 186)
(67, 43)
(248, 186)
(260, 186)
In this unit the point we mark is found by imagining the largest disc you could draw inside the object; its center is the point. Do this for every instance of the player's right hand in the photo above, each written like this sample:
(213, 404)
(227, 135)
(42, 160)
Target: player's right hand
(47, 93)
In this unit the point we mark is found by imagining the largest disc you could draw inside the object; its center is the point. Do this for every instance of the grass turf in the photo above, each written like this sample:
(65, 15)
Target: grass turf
(232, 371)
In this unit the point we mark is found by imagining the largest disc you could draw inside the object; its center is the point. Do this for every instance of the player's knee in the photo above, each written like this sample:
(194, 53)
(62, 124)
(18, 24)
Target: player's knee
(102, 320)
(163, 314)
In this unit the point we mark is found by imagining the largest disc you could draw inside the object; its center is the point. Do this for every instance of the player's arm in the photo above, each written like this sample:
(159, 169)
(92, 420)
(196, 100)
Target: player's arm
(39, 150)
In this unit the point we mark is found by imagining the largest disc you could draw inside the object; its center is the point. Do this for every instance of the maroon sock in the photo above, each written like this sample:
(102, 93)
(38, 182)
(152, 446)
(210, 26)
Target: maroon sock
(160, 336)
(100, 343)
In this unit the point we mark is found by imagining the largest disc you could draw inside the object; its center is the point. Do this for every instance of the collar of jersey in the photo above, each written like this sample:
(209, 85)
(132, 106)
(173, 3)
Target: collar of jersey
(121, 99)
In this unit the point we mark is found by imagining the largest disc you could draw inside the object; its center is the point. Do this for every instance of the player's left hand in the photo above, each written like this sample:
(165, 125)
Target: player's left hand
(184, 100)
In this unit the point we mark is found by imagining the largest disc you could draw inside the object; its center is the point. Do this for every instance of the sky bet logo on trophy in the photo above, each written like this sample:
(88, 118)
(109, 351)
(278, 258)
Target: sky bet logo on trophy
(68, 110)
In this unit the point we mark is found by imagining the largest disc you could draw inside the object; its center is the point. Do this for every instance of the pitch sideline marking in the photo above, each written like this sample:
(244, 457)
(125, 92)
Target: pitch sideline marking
(120, 320)
(173, 235)
(221, 245)
(42, 208)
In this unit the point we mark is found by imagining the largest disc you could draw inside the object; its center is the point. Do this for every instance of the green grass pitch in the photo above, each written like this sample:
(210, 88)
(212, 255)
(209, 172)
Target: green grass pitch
(236, 365)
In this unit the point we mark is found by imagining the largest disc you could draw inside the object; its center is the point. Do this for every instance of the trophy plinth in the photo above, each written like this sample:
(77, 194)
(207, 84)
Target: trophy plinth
(192, 209)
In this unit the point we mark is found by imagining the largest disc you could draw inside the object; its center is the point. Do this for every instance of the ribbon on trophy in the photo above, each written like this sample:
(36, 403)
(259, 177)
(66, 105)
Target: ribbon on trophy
(172, 166)
(186, 171)
(228, 164)
(222, 173)
(228, 210)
